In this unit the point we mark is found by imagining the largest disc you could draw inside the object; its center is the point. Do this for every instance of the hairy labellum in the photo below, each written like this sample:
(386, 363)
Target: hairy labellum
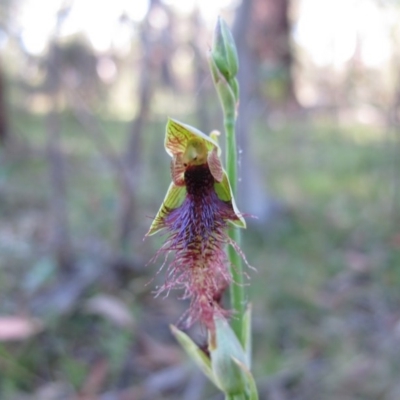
(197, 236)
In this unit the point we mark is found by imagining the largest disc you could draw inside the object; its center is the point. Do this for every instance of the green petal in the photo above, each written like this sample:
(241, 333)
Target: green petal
(178, 134)
(178, 171)
(224, 192)
(173, 199)
(214, 163)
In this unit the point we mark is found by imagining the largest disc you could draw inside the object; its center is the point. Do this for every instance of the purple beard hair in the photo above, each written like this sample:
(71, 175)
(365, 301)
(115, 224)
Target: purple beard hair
(197, 236)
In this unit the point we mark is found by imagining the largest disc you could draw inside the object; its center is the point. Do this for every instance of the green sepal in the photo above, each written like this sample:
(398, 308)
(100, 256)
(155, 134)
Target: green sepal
(178, 135)
(195, 353)
(173, 199)
(224, 193)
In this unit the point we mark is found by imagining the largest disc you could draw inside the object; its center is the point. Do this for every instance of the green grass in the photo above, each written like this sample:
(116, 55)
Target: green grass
(339, 197)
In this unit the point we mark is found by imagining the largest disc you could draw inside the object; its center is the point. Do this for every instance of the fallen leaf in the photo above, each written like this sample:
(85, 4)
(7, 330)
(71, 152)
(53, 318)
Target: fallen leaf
(395, 240)
(357, 261)
(155, 354)
(18, 328)
(112, 308)
(55, 391)
(94, 380)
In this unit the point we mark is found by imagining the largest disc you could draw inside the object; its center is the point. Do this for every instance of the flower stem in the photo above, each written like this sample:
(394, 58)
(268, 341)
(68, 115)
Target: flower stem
(224, 64)
(239, 396)
(237, 295)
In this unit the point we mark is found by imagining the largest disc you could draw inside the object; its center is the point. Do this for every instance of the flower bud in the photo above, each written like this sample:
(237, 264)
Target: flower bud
(223, 50)
(227, 94)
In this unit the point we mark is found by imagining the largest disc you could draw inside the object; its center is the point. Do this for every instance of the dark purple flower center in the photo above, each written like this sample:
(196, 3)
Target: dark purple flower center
(202, 215)
(198, 180)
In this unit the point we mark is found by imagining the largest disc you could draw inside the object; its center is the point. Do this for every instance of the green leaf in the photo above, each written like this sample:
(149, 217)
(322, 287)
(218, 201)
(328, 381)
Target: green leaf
(224, 355)
(173, 199)
(195, 353)
(252, 393)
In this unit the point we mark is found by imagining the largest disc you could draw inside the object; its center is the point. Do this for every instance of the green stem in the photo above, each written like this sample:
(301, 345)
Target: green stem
(237, 295)
(240, 396)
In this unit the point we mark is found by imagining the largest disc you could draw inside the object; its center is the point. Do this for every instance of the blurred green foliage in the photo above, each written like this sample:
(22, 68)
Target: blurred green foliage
(325, 294)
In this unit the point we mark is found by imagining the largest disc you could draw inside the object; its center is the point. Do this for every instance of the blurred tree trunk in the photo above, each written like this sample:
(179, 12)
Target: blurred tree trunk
(393, 142)
(126, 214)
(269, 40)
(201, 72)
(261, 31)
(154, 68)
(61, 241)
(3, 109)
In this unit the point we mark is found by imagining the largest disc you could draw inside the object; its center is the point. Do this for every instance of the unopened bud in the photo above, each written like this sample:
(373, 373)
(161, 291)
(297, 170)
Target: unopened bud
(226, 95)
(223, 50)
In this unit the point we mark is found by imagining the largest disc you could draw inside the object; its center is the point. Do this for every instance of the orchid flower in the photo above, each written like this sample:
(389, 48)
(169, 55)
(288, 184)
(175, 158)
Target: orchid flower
(196, 211)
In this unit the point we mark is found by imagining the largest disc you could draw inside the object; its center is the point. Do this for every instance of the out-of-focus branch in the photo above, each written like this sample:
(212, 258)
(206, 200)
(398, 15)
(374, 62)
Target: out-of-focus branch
(3, 109)
(123, 176)
(58, 192)
(154, 62)
(126, 215)
(97, 134)
(253, 195)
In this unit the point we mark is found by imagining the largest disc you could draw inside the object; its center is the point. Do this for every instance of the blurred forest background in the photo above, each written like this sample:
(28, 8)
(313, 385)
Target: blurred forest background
(85, 91)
